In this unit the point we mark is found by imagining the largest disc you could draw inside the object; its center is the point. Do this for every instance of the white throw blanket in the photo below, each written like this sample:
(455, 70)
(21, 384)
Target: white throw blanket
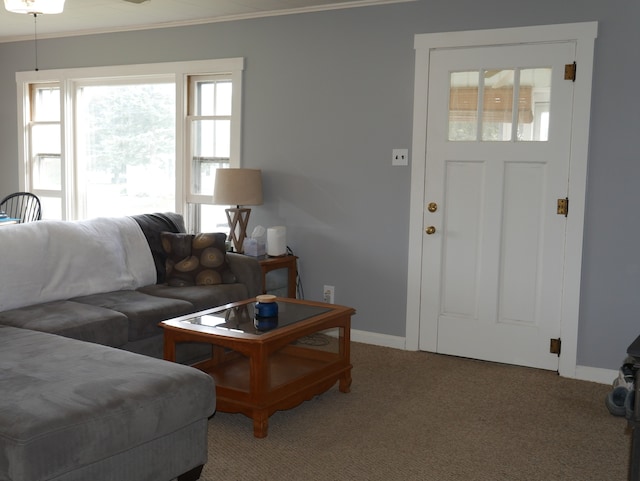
(53, 260)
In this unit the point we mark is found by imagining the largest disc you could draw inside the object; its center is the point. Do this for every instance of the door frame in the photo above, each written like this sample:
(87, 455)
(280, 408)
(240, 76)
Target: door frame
(584, 35)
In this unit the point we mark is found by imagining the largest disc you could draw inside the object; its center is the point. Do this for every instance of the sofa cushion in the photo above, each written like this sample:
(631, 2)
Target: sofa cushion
(144, 311)
(72, 319)
(67, 404)
(196, 259)
(203, 297)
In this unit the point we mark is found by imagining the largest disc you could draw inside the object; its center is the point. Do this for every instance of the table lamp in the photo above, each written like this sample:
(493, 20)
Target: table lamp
(239, 187)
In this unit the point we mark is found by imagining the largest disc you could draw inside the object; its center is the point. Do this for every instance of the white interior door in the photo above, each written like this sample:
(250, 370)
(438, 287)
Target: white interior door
(497, 161)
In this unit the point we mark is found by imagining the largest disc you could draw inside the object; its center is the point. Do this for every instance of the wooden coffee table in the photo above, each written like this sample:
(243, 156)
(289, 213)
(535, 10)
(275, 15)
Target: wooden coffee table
(259, 371)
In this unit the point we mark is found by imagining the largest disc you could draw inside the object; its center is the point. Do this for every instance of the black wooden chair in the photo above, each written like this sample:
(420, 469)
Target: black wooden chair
(24, 206)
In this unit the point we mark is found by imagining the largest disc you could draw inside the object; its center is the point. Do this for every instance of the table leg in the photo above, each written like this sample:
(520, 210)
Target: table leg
(260, 423)
(345, 382)
(345, 355)
(169, 347)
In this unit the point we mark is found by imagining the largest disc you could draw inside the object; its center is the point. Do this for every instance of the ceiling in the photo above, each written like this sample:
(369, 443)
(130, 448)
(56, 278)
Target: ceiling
(81, 17)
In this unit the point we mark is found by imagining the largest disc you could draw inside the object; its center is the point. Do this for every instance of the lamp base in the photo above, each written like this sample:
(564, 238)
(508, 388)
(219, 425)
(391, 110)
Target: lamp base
(238, 218)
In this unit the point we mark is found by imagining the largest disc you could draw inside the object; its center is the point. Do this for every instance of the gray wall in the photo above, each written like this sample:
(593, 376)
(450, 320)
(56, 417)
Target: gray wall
(328, 95)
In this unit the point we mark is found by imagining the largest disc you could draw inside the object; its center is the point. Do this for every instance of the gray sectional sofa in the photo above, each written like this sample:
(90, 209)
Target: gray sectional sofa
(85, 392)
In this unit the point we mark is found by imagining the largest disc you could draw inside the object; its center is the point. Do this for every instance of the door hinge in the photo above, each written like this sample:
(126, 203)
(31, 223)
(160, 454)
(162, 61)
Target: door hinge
(570, 71)
(554, 346)
(563, 206)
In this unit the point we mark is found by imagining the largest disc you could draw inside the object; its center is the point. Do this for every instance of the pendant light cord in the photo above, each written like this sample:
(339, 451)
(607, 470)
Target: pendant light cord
(35, 37)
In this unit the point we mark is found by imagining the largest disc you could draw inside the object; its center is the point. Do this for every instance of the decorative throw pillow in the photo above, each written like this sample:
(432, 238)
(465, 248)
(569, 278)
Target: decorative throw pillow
(196, 260)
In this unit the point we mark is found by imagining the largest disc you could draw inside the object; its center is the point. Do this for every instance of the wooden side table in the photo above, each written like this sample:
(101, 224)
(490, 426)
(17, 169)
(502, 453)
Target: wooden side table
(288, 262)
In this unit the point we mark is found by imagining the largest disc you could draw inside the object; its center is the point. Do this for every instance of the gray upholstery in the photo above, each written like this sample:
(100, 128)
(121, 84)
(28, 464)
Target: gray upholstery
(159, 459)
(72, 410)
(201, 297)
(72, 319)
(143, 311)
(247, 272)
(73, 404)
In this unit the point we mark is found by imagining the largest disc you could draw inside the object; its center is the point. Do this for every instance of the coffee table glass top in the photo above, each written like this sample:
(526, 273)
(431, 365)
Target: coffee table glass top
(242, 318)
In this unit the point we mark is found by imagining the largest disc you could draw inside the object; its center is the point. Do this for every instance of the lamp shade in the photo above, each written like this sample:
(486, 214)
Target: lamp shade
(238, 187)
(34, 6)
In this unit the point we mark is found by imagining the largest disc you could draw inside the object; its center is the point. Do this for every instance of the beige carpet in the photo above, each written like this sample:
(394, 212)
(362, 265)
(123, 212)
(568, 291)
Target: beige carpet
(421, 416)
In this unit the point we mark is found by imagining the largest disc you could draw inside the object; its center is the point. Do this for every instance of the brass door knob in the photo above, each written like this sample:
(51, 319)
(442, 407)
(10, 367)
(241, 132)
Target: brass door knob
(432, 207)
(430, 230)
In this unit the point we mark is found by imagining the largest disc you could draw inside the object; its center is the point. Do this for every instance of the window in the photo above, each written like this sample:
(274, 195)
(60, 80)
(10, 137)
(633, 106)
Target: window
(45, 166)
(209, 122)
(125, 148)
(114, 141)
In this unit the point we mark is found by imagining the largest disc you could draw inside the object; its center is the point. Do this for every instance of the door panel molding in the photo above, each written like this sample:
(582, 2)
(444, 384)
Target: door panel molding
(584, 35)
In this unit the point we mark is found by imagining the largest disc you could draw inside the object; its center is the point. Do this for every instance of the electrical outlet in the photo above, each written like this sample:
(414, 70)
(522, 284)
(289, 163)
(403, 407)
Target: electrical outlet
(329, 294)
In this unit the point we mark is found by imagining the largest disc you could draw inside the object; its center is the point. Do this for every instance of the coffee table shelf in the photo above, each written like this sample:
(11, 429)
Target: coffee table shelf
(259, 373)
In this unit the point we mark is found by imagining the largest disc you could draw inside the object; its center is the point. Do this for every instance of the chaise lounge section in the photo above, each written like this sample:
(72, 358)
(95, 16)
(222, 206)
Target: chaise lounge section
(75, 411)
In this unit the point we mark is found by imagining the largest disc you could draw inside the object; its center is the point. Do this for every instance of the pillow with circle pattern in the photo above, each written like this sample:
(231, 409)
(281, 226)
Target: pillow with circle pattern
(196, 259)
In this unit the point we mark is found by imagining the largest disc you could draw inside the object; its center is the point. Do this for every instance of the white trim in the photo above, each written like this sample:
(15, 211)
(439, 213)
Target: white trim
(583, 34)
(141, 70)
(583, 373)
(22, 93)
(577, 194)
(508, 36)
(595, 374)
(207, 20)
(376, 339)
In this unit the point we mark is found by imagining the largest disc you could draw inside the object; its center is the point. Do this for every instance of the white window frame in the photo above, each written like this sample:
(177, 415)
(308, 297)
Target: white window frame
(192, 118)
(30, 165)
(68, 79)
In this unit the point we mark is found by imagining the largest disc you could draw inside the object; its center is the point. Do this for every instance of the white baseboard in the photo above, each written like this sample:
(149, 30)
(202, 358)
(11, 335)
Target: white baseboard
(376, 339)
(596, 374)
(583, 373)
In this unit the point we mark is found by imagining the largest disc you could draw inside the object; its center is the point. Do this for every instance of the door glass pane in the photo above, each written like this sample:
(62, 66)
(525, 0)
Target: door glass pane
(533, 104)
(497, 111)
(463, 106)
(497, 104)
(126, 149)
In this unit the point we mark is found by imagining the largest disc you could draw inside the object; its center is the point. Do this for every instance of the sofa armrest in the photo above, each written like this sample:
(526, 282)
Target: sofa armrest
(247, 271)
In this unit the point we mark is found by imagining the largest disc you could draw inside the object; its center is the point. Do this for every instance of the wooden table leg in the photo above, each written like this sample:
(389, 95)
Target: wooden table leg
(345, 382)
(169, 347)
(345, 354)
(260, 423)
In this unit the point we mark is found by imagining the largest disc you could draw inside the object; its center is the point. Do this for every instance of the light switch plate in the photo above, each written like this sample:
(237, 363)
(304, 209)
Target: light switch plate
(400, 157)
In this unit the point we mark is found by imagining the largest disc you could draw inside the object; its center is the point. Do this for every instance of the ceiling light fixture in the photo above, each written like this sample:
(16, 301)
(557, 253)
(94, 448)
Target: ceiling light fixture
(34, 6)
